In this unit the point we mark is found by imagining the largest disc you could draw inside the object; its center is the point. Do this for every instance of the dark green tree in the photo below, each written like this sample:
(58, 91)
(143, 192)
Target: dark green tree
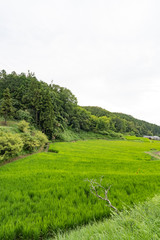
(6, 108)
(47, 117)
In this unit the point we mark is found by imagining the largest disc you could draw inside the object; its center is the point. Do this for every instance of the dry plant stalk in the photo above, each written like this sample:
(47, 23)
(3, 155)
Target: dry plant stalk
(94, 186)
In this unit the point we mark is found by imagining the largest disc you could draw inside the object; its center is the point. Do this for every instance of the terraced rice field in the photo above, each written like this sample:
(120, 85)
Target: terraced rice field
(47, 192)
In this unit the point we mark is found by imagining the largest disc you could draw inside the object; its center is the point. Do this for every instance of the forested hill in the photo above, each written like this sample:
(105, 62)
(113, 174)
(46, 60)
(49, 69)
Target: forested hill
(53, 109)
(126, 123)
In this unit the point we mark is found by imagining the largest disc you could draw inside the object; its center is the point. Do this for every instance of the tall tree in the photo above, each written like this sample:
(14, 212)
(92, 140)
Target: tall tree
(6, 108)
(47, 113)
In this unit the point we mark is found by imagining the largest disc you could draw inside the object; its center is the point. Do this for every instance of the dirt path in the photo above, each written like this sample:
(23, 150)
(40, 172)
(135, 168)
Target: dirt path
(154, 154)
(42, 149)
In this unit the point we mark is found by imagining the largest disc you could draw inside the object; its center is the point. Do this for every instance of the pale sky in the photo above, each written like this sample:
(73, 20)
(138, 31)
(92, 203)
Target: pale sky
(106, 52)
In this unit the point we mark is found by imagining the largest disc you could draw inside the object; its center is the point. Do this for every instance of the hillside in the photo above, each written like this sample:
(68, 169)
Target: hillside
(126, 123)
(54, 109)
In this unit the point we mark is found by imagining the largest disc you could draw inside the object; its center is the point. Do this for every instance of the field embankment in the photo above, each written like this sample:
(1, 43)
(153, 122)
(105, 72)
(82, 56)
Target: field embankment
(47, 192)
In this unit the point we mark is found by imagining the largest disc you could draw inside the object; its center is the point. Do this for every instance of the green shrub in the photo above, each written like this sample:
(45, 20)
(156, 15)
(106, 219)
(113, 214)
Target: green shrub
(34, 141)
(116, 135)
(10, 145)
(23, 115)
(104, 133)
(23, 126)
(40, 137)
(30, 142)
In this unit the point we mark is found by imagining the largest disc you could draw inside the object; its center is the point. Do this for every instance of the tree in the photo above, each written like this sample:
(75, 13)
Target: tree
(6, 109)
(47, 117)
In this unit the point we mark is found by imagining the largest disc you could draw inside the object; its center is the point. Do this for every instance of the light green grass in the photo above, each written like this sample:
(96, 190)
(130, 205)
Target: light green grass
(46, 192)
(134, 138)
(140, 223)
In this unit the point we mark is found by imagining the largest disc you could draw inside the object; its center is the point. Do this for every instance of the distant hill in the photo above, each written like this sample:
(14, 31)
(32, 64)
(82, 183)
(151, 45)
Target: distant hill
(140, 127)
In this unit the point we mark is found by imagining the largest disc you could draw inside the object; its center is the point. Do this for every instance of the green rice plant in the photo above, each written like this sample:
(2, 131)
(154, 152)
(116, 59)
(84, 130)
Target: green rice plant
(134, 138)
(45, 193)
(140, 222)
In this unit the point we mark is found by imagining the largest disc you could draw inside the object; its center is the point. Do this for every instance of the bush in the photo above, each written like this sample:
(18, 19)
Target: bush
(116, 135)
(23, 126)
(23, 115)
(30, 142)
(10, 145)
(35, 141)
(41, 137)
(104, 133)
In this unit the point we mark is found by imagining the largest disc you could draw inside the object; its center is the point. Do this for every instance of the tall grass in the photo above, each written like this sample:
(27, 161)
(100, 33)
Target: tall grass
(47, 192)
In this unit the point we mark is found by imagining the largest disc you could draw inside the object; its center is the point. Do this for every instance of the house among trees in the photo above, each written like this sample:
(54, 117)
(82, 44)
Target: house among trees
(152, 137)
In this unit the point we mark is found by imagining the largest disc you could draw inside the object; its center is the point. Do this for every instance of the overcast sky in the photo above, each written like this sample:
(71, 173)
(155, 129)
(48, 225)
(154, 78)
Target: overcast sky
(106, 52)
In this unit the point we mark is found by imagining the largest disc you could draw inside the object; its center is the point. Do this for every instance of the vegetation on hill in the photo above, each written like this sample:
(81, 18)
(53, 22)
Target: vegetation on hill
(124, 123)
(47, 192)
(54, 109)
(19, 138)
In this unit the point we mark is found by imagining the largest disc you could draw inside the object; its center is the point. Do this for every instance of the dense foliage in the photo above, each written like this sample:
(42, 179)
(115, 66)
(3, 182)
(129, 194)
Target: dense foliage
(45, 192)
(6, 109)
(10, 145)
(19, 139)
(54, 109)
(124, 123)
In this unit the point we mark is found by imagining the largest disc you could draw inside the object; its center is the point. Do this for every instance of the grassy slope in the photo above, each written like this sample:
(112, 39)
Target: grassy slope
(140, 223)
(71, 135)
(46, 192)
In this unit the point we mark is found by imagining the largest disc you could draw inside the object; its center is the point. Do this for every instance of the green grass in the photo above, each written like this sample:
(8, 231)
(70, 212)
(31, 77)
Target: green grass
(47, 192)
(134, 138)
(140, 223)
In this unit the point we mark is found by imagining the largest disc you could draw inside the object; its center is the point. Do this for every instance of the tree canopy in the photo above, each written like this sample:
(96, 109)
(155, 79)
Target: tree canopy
(6, 108)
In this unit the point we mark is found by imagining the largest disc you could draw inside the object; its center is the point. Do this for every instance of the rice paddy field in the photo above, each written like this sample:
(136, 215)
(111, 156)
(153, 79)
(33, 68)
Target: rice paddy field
(46, 193)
